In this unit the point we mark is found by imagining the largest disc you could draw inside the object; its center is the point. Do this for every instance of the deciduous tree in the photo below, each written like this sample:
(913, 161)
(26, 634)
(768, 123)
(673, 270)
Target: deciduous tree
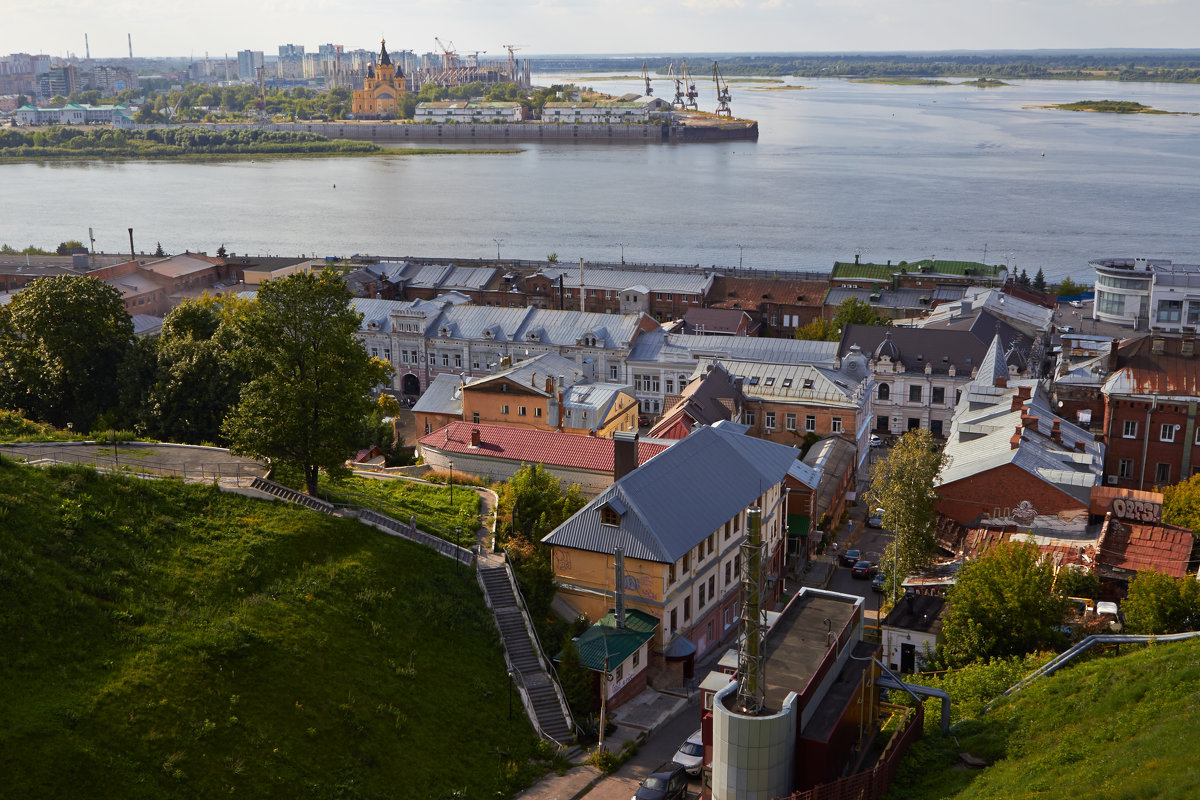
(312, 389)
(1181, 503)
(62, 343)
(1002, 604)
(903, 484)
(1158, 603)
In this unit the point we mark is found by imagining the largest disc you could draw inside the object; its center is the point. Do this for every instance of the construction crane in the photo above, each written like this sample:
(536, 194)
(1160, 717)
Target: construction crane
(690, 84)
(261, 102)
(512, 61)
(449, 57)
(722, 92)
(646, 78)
(474, 62)
(679, 101)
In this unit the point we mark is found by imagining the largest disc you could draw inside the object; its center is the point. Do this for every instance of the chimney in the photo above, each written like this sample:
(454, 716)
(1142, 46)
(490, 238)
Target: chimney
(549, 385)
(619, 566)
(1081, 446)
(1015, 441)
(1056, 432)
(1112, 355)
(625, 453)
(1024, 392)
(1001, 382)
(1157, 345)
(132, 255)
(1017, 403)
(1029, 422)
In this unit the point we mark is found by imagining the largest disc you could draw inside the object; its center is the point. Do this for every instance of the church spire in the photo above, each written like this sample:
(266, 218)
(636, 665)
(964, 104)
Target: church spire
(384, 60)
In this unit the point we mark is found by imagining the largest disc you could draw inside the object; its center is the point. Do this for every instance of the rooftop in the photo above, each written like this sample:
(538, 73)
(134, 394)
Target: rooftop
(801, 640)
(605, 641)
(1172, 372)
(1129, 547)
(931, 267)
(917, 612)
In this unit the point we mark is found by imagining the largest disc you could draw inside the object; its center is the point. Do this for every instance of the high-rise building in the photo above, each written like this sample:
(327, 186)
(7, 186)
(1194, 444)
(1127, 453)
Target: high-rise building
(249, 62)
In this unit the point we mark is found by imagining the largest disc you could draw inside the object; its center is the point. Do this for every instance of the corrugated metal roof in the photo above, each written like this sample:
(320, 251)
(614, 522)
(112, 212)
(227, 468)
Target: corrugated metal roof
(618, 279)
(916, 347)
(679, 497)
(605, 640)
(1141, 371)
(532, 446)
(664, 348)
(797, 383)
(533, 372)
(442, 396)
(1131, 547)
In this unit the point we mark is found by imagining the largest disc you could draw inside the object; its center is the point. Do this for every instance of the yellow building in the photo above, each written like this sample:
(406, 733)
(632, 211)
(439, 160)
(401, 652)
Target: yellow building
(381, 90)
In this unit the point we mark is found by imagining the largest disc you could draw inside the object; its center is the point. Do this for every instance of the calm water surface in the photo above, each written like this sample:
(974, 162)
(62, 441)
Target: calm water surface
(891, 172)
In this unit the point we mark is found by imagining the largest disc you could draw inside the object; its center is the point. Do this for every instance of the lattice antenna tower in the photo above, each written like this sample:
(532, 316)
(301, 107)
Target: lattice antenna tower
(751, 660)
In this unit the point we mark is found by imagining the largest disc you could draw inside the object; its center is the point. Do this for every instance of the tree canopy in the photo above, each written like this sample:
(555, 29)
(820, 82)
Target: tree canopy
(1158, 603)
(850, 311)
(903, 484)
(1181, 503)
(1002, 604)
(313, 379)
(62, 344)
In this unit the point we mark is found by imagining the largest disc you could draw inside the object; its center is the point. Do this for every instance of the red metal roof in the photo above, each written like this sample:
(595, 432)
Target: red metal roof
(530, 445)
(1163, 548)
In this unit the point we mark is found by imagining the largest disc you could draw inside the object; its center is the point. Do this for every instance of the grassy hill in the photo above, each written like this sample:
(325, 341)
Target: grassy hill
(162, 640)
(1118, 727)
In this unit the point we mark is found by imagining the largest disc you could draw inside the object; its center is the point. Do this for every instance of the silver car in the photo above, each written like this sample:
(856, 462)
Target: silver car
(690, 754)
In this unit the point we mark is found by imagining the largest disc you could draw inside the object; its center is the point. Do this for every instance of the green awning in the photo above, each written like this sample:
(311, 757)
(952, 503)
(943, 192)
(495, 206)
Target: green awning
(798, 524)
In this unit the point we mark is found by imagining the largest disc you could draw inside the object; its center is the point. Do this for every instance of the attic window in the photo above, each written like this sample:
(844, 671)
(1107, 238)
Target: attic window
(787, 383)
(766, 296)
(808, 383)
(443, 331)
(770, 381)
(799, 298)
(609, 517)
(920, 357)
(489, 334)
(754, 380)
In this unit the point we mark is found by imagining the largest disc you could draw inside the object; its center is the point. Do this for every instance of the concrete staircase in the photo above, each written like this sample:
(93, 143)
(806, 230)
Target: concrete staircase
(291, 495)
(540, 692)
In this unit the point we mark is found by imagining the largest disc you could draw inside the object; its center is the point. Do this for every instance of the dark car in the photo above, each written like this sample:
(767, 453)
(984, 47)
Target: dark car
(668, 782)
(850, 557)
(878, 581)
(862, 569)
(643, 420)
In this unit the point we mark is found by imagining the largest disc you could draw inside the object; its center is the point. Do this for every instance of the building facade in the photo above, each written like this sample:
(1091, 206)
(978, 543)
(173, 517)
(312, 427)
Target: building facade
(1145, 294)
(468, 111)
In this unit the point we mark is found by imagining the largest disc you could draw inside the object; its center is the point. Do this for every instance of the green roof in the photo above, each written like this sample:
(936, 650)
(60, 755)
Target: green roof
(842, 269)
(619, 644)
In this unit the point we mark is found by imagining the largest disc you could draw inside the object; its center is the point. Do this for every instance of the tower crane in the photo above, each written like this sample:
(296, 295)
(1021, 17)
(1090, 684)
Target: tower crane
(646, 78)
(679, 101)
(722, 92)
(512, 62)
(449, 57)
(690, 84)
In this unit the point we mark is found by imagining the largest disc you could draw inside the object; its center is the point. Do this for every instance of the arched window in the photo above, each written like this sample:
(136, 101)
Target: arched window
(885, 391)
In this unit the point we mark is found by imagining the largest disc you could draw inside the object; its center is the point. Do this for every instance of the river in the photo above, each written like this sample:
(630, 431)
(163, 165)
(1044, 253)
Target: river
(888, 172)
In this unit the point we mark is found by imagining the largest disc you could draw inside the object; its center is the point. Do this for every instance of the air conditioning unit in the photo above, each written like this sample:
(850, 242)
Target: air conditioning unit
(1112, 480)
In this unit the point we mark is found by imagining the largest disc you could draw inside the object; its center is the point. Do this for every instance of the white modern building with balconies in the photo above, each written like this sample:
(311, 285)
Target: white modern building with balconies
(1146, 293)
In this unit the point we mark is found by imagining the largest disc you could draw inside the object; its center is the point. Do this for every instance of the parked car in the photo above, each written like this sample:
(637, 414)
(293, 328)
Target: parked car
(875, 440)
(876, 519)
(850, 557)
(690, 754)
(668, 782)
(1066, 328)
(1076, 304)
(643, 421)
(862, 569)
(878, 581)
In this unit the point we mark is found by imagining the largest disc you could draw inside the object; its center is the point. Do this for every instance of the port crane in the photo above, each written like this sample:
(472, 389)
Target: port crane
(690, 84)
(679, 101)
(722, 92)
(646, 78)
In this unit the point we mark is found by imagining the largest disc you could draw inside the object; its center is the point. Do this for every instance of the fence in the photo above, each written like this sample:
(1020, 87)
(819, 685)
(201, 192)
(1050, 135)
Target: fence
(141, 459)
(872, 784)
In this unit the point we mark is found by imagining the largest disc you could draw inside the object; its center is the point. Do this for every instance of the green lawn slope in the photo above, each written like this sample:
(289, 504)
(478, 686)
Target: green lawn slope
(1112, 728)
(161, 640)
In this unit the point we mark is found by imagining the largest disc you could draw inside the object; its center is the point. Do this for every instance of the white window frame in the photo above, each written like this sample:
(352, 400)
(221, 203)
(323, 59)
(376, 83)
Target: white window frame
(1129, 429)
(1167, 433)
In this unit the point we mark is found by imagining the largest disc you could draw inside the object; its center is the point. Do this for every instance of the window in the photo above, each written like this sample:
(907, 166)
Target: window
(433, 359)
(790, 422)
(1169, 310)
(1125, 468)
(387, 355)
(885, 391)
(708, 544)
(1162, 474)
(674, 620)
(881, 423)
(1109, 303)
(670, 574)
(520, 411)
(475, 417)
(612, 372)
(1167, 434)
(914, 394)
(748, 417)
(687, 609)
(770, 421)
(1129, 429)
(935, 427)
(700, 602)
(504, 409)
(445, 359)
(837, 424)
(728, 573)
(810, 423)
(374, 352)
(458, 360)
(670, 385)
(428, 428)
(687, 561)
(609, 517)
(914, 423)
(537, 412)
(712, 586)
(737, 563)
(637, 657)
(939, 395)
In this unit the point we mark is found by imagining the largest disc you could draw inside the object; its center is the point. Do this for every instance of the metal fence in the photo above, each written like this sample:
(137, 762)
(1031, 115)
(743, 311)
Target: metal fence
(132, 458)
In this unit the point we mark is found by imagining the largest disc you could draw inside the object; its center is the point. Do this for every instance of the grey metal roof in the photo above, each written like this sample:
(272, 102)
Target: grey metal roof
(830, 457)
(536, 326)
(1030, 318)
(380, 311)
(917, 347)
(446, 276)
(664, 348)
(617, 279)
(906, 299)
(676, 499)
(442, 396)
(798, 383)
(588, 404)
(533, 372)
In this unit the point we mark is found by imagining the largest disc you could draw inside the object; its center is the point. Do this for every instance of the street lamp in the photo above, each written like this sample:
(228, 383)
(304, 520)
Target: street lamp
(622, 246)
(740, 248)
(510, 683)
(451, 484)
(498, 243)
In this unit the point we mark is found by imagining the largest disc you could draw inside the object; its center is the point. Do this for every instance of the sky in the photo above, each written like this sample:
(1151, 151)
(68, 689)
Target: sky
(174, 28)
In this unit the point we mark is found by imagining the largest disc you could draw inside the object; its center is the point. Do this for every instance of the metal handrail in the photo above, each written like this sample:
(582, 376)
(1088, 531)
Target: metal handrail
(548, 664)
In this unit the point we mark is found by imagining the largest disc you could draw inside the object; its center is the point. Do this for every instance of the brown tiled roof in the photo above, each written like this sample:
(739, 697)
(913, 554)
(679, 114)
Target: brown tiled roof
(1132, 547)
(749, 293)
(531, 446)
